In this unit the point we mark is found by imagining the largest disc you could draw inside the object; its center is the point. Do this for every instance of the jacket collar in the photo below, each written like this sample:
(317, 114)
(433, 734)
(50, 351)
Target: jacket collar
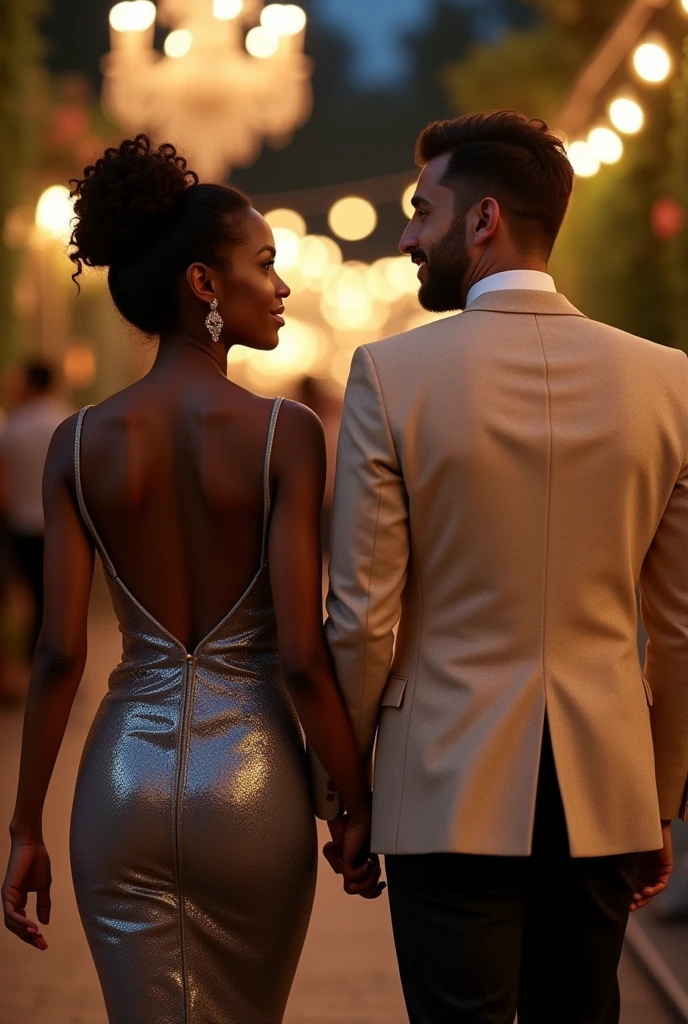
(524, 301)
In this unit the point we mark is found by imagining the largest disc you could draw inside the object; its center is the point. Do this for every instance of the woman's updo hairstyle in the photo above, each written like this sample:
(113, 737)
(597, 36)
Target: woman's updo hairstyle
(141, 213)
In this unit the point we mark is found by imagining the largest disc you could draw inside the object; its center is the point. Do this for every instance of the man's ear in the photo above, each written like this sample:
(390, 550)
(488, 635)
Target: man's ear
(487, 218)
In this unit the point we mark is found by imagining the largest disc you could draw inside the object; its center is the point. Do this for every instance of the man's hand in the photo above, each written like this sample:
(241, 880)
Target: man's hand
(654, 871)
(348, 854)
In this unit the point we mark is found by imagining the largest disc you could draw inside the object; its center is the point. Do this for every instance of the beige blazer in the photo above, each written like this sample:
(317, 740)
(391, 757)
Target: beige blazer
(505, 480)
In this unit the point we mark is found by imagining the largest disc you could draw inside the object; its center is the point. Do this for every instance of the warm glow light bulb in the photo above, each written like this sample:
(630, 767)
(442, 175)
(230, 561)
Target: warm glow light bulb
(283, 19)
(626, 115)
(287, 219)
(606, 145)
(318, 255)
(652, 62)
(132, 16)
(178, 43)
(226, 10)
(262, 43)
(294, 20)
(406, 200)
(352, 218)
(287, 243)
(583, 159)
(54, 212)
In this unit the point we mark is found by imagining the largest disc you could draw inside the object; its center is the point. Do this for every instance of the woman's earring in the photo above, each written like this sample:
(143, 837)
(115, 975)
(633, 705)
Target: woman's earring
(214, 321)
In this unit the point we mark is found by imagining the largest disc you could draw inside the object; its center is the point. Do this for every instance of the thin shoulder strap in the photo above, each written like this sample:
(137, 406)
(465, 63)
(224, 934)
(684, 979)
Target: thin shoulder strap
(109, 567)
(267, 499)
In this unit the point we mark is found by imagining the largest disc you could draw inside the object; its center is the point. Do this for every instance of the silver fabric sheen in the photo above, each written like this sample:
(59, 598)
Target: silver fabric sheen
(193, 842)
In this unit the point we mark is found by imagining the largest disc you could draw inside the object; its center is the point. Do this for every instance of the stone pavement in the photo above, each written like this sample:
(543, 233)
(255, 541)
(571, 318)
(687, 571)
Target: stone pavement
(347, 974)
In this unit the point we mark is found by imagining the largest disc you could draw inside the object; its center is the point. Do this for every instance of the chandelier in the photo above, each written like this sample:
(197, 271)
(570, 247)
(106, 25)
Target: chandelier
(233, 76)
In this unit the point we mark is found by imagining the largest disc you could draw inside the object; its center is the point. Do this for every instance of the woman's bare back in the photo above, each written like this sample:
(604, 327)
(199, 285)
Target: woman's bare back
(172, 472)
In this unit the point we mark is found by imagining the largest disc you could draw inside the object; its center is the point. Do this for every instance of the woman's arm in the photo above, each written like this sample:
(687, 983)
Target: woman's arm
(56, 673)
(299, 468)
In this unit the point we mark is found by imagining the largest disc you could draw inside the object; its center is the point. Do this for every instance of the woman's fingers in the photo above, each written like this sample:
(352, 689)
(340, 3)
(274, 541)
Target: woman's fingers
(43, 905)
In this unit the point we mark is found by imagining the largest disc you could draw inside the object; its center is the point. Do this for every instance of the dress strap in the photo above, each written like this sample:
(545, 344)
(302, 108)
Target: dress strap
(109, 567)
(267, 500)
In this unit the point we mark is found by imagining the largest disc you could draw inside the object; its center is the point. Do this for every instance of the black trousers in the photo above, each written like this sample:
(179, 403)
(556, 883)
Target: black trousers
(480, 938)
(27, 552)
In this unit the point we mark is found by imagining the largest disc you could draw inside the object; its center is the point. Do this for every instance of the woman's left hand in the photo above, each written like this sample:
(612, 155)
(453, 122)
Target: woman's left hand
(348, 854)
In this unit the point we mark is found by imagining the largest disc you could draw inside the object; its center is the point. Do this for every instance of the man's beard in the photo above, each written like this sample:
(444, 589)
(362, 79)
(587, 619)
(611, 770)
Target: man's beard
(447, 266)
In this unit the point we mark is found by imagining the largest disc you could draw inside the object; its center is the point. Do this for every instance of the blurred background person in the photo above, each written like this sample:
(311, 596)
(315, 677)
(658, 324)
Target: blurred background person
(24, 443)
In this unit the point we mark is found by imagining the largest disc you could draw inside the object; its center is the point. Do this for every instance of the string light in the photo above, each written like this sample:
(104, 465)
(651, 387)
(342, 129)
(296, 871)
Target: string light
(352, 218)
(133, 16)
(178, 43)
(606, 145)
(262, 43)
(583, 159)
(408, 195)
(54, 212)
(227, 10)
(626, 115)
(282, 218)
(652, 62)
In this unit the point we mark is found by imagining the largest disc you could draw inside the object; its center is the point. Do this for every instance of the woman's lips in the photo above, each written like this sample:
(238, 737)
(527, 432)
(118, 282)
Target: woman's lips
(278, 318)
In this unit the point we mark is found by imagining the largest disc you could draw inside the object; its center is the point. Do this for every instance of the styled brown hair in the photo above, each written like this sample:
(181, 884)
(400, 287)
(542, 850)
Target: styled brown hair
(516, 159)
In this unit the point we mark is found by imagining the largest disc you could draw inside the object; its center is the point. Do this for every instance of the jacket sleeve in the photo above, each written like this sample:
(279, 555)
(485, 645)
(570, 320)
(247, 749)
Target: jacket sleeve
(369, 551)
(664, 609)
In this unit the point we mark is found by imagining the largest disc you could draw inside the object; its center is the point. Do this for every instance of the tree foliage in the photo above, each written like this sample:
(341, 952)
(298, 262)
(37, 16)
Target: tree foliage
(21, 50)
(607, 259)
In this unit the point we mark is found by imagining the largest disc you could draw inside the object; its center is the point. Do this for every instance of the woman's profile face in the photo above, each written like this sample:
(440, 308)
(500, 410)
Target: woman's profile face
(250, 293)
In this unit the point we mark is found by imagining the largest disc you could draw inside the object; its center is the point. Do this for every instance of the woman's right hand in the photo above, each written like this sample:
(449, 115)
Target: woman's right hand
(28, 871)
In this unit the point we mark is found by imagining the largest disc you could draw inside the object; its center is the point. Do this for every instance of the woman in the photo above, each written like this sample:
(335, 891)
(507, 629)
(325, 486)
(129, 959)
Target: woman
(193, 840)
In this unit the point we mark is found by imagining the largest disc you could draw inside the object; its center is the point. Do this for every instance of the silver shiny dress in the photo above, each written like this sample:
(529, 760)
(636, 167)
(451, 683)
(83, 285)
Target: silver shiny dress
(193, 841)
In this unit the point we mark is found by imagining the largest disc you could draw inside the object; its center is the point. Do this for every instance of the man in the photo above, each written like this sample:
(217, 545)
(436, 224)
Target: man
(23, 447)
(505, 479)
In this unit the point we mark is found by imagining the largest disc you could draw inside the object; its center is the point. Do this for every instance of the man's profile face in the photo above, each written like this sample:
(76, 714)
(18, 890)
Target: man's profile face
(435, 239)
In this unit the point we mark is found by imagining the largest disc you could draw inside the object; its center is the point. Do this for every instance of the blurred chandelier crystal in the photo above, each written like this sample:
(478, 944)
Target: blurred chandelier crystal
(233, 76)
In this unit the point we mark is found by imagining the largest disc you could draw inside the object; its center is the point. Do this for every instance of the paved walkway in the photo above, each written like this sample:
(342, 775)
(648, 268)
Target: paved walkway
(347, 974)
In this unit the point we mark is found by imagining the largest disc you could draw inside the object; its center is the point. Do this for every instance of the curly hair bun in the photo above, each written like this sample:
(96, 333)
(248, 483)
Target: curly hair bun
(126, 200)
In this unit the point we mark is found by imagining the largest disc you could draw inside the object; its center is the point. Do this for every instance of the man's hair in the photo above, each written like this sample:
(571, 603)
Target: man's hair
(516, 159)
(39, 374)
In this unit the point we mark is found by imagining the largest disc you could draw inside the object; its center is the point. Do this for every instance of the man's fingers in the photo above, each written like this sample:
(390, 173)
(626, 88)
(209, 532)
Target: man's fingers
(332, 855)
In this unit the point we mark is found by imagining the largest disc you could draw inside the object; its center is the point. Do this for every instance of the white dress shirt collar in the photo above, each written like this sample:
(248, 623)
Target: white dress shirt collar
(507, 280)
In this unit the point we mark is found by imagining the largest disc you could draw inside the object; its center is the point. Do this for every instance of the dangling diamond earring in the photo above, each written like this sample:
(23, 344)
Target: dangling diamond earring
(214, 321)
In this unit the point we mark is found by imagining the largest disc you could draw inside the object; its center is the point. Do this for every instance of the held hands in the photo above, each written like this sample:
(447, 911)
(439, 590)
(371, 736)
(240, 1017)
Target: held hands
(28, 871)
(348, 854)
(654, 871)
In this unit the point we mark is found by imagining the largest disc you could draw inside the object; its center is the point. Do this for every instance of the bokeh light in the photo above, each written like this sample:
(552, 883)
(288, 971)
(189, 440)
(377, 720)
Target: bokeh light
(318, 256)
(54, 212)
(282, 218)
(406, 200)
(352, 218)
(283, 19)
(226, 10)
(652, 62)
(626, 115)
(133, 16)
(583, 159)
(606, 145)
(79, 365)
(178, 43)
(288, 245)
(299, 349)
(262, 43)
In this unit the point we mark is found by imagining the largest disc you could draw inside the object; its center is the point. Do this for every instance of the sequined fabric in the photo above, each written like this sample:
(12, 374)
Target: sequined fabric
(193, 840)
